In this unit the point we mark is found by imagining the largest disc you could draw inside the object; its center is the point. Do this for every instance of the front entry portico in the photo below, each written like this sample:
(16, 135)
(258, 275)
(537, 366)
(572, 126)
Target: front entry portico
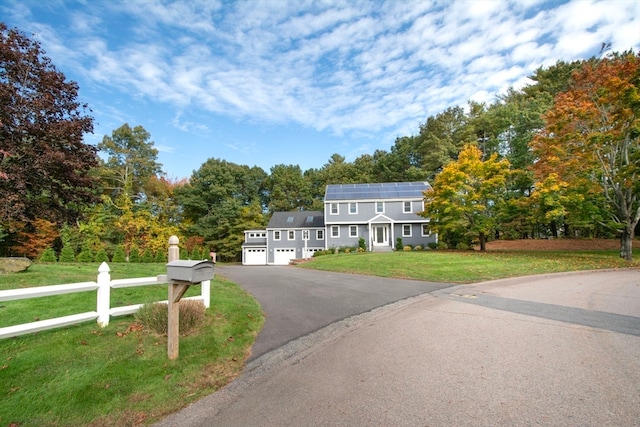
(380, 235)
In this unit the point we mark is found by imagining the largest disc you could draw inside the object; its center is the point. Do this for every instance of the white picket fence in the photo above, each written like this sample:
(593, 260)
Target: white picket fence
(103, 286)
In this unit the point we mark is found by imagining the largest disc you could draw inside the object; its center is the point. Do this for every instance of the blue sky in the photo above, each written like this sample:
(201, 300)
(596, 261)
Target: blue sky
(292, 82)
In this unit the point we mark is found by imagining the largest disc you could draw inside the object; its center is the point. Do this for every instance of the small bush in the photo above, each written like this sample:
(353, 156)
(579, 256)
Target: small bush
(433, 246)
(399, 243)
(407, 248)
(134, 255)
(154, 317)
(67, 254)
(49, 255)
(161, 256)
(462, 246)
(362, 244)
(147, 256)
(443, 246)
(101, 256)
(417, 248)
(86, 256)
(119, 255)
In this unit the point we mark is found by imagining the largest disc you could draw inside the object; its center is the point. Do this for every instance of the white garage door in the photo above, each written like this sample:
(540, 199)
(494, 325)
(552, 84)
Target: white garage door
(255, 256)
(282, 256)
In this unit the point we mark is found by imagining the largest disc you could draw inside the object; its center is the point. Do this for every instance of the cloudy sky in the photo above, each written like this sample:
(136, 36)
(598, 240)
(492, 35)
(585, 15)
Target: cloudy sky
(266, 82)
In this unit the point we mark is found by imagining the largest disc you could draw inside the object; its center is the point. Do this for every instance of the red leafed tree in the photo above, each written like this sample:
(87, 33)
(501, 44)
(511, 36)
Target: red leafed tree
(592, 139)
(44, 164)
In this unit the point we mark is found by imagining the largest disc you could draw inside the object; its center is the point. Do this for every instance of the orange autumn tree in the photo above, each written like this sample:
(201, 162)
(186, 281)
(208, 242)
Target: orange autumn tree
(591, 140)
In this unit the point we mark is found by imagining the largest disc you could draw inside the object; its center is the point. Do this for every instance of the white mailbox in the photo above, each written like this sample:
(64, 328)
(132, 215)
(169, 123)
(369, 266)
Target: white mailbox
(190, 271)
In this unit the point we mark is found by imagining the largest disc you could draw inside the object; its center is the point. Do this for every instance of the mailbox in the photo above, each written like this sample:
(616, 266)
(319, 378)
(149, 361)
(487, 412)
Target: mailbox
(190, 271)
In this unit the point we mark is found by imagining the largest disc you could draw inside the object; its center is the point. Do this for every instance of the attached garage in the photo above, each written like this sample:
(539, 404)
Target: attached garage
(254, 256)
(282, 256)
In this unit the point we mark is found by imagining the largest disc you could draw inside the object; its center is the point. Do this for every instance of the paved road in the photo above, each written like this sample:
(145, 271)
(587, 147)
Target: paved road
(299, 301)
(543, 350)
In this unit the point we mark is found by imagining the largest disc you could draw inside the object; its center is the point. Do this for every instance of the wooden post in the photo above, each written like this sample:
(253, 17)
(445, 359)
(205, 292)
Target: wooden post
(173, 343)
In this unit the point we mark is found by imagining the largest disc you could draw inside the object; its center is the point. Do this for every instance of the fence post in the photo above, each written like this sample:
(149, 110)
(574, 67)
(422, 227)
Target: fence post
(205, 291)
(104, 290)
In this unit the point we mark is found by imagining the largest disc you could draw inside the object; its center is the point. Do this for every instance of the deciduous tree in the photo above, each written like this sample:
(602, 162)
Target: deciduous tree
(44, 163)
(592, 138)
(466, 193)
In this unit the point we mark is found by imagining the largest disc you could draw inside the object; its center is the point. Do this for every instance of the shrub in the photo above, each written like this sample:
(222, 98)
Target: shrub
(119, 255)
(67, 254)
(147, 256)
(399, 243)
(196, 254)
(462, 246)
(406, 248)
(417, 248)
(154, 317)
(161, 256)
(362, 245)
(49, 255)
(443, 245)
(347, 250)
(86, 255)
(433, 245)
(134, 255)
(101, 256)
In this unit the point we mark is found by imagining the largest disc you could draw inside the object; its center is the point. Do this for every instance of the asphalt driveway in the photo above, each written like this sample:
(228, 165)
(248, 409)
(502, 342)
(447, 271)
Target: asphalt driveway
(300, 301)
(542, 350)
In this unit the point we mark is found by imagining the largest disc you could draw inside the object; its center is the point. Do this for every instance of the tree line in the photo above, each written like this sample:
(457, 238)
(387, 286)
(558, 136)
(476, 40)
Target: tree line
(558, 157)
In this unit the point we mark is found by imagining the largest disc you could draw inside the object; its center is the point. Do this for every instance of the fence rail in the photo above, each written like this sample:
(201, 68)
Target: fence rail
(104, 311)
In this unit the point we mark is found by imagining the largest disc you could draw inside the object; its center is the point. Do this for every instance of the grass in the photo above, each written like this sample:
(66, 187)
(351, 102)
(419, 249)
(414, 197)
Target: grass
(470, 266)
(119, 375)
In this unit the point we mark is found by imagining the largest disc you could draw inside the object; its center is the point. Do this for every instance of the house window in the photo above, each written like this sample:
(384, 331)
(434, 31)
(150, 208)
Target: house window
(276, 235)
(291, 235)
(335, 231)
(406, 230)
(406, 207)
(379, 207)
(353, 231)
(426, 230)
(305, 234)
(319, 234)
(353, 208)
(333, 208)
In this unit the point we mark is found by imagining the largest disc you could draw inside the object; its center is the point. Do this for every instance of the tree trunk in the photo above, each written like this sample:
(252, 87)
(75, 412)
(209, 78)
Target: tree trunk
(483, 243)
(626, 243)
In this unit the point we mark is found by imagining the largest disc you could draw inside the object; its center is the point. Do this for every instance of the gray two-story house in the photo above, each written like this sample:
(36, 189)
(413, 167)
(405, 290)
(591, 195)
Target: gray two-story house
(377, 213)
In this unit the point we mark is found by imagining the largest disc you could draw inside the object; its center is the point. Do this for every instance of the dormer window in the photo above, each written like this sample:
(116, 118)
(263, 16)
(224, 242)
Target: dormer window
(406, 207)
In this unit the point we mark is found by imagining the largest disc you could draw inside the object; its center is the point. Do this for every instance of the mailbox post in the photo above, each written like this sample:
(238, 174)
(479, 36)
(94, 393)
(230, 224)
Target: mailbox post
(181, 275)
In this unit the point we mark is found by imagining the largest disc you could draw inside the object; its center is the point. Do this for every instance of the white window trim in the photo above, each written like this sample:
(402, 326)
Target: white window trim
(404, 210)
(376, 208)
(410, 230)
(289, 234)
(351, 228)
(335, 227)
(319, 234)
(331, 205)
(305, 234)
(356, 205)
(277, 235)
(422, 230)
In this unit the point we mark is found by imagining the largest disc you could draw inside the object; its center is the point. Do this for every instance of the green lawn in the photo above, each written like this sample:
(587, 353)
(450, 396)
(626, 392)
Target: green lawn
(469, 266)
(119, 375)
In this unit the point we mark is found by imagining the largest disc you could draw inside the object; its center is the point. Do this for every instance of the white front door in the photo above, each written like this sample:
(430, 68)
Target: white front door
(381, 235)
